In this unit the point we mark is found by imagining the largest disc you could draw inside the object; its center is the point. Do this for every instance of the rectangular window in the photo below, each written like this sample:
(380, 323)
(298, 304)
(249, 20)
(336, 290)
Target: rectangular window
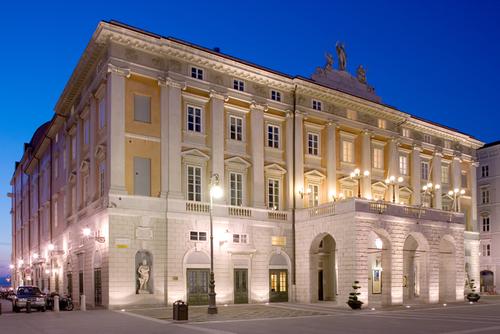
(197, 73)
(313, 143)
(73, 148)
(236, 128)
(240, 238)
(142, 108)
(239, 85)
(194, 119)
(424, 171)
(275, 95)
(101, 178)
(378, 158)
(486, 224)
(485, 196)
(427, 138)
(403, 165)
(102, 113)
(142, 176)
(273, 194)
(464, 179)
(405, 132)
(313, 193)
(236, 187)
(351, 114)
(317, 105)
(381, 123)
(273, 136)
(486, 249)
(197, 236)
(194, 183)
(86, 132)
(347, 151)
(445, 174)
(485, 171)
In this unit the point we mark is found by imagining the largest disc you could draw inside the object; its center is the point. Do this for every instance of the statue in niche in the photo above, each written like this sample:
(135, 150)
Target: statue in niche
(341, 55)
(144, 283)
(361, 74)
(329, 61)
(143, 272)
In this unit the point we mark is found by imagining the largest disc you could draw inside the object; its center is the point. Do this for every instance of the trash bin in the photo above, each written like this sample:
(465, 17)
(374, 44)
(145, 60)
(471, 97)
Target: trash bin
(180, 311)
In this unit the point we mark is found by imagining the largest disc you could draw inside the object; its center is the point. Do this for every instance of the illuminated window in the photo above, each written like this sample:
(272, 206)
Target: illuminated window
(312, 143)
(381, 123)
(445, 174)
(194, 183)
(424, 170)
(273, 194)
(403, 165)
(273, 136)
(283, 282)
(347, 151)
(313, 195)
(236, 188)
(378, 158)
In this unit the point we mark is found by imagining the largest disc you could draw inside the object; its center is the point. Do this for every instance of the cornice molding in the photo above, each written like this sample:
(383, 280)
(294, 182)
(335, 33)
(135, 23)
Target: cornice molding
(124, 72)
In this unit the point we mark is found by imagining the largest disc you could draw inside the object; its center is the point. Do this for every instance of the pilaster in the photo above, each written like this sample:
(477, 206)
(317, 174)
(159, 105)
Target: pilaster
(393, 167)
(331, 163)
(473, 196)
(299, 156)
(257, 149)
(289, 157)
(436, 179)
(92, 144)
(415, 175)
(366, 163)
(217, 134)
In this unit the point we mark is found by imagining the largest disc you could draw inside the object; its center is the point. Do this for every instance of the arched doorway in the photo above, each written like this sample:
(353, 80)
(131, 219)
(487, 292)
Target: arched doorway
(414, 268)
(278, 278)
(487, 281)
(379, 268)
(197, 266)
(447, 271)
(323, 268)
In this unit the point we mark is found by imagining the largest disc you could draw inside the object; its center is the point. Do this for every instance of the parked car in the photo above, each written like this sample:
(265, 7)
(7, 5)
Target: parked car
(10, 295)
(31, 294)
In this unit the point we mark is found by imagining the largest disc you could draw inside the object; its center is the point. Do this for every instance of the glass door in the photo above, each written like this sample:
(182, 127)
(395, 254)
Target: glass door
(240, 286)
(197, 286)
(278, 284)
(97, 287)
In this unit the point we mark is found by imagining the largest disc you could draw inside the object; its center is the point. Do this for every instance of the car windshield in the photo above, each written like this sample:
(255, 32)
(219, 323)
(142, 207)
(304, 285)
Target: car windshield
(28, 290)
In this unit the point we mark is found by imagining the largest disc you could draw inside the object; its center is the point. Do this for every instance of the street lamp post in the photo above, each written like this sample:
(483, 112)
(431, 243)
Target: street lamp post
(356, 175)
(215, 192)
(429, 189)
(456, 193)
(393, 181)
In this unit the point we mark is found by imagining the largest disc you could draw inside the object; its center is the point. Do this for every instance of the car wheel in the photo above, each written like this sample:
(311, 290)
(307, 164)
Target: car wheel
(43, 309)
(16, 309)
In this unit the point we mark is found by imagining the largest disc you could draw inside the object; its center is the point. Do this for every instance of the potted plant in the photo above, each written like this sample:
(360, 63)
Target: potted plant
(473, 296)
(353, 301)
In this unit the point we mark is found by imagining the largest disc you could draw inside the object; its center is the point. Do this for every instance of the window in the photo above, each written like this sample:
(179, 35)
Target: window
(197, 236)
(351, 114)
(427, 138)
(73, 148)
(194, 119)
(313, 195)
(102, 169)
(239, 85)
(378, 158)
(194, 183)
(486, 224)
(142, 176)
(316, 105)
(236, 128)
(312, 143)
(56, 168)
(485, 196)
(485, 171)
(445, 174)
(273, 136)
(424, 170)
(273, 194)
(196, 73)
(464, 179)
(381, 123)
(85, 188)
(403, 165)
(486, 249)
(405, 132)
(236, 187)
(240, 238)
(447, 144)
(276, 96)
(86, 131)
(347, 151)
(142, 108)
(102, 113)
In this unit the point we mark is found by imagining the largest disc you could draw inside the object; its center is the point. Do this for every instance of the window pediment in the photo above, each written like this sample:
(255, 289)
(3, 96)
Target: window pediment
(274, 169)
(84, 166)
(237, 164)
(195, 156)
(379, 185)
(315, 175)
(100, 152)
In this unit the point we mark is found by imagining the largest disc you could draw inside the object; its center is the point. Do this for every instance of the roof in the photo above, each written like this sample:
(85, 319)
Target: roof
(495, 143)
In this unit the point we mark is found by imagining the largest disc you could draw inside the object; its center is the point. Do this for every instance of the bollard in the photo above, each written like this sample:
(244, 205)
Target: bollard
(56, 303)
(83, 307)
(28, 306)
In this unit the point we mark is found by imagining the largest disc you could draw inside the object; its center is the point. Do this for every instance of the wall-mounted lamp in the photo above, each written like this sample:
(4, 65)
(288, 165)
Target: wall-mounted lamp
(87, 233)
(302, 193)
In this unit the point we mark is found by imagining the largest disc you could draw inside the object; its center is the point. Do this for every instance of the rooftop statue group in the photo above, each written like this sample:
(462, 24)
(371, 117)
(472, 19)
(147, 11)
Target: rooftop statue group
(342, 58)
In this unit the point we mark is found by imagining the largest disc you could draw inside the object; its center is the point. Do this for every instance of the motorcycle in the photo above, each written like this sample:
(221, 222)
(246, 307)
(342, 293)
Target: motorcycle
(65, 302)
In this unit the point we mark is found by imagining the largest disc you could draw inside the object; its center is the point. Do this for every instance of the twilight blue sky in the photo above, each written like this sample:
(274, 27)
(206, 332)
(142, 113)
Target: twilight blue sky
(435, 59)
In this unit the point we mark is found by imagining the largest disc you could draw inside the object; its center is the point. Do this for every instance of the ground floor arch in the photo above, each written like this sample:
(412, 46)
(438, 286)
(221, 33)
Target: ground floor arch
(487, 281)
(379, 267)
(197, 271)
(415, 263)
(279, 277)
(323, 268)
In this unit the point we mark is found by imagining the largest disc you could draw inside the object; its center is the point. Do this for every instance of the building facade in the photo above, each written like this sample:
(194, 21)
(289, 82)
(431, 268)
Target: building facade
(488, 184)
(323, 184)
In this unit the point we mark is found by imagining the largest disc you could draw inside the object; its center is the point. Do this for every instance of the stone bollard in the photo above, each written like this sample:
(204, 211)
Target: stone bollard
(56, 303)
(83, 306)
(28, 307)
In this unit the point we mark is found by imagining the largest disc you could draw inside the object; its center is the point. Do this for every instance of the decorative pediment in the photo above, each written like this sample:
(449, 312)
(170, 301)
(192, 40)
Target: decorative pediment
(314, 175)
(447, 197)
(237, 163)
(195, 153)
(348, 181)
(84, 166)
(274, 169)
(72, 177)
(405, 190)
(379, 184)
(100, 152)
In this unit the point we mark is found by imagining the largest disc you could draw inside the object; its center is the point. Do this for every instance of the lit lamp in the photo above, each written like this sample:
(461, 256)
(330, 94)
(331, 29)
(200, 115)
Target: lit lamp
(215, 192)
(11, 266)
(50, 247)
(87, 233)
(429, 189)
(336, 197)
(456, 193)
(393, 181)
(303, 193)
(356, 175)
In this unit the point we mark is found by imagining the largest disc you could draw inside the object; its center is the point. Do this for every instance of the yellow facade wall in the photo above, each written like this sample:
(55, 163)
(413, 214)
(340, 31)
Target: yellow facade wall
(144, 149)
(137, 85)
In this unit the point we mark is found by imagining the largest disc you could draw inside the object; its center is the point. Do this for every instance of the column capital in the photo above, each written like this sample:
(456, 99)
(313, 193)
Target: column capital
(124, 72)
(474, 163)
(438, 154)
(332, 123)
(219, 95)
(416, 147)
(300, 113)
(258, 106)
(366, 132)
(289, 113)
(169, 82)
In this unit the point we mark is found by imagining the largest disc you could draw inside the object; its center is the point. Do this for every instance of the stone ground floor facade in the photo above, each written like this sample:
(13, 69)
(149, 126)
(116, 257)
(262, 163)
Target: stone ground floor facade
(398, 254)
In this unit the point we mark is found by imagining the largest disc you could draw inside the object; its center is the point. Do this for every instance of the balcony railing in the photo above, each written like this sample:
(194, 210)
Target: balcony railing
(199, 207)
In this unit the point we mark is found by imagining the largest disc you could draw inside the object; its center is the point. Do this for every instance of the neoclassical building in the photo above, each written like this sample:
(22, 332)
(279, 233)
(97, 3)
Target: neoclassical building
(323, 184)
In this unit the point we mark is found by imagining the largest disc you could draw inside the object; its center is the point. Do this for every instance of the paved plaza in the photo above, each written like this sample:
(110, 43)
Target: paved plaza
(455, 318)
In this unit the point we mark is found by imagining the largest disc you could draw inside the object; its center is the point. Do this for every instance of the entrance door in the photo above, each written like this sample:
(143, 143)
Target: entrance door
(197, 286)
(320, 285)
(278, 283)
(240, 286)
(97, 287)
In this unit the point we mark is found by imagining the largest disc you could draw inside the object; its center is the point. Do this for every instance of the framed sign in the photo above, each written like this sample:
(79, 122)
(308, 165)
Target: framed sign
(376, 281)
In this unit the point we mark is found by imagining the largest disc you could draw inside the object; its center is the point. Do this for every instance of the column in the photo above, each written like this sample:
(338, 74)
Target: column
(165, 133)
(456, 177)
(331, 161)
(415, 175)
(115, 107)
(366, 163)
(393, 167)
(473, 197)
(299, 158)
(174, 118)
(92, 146)
(289, 158)
(79, 183)
(436, 179)
(217, 136)
(257, 149)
